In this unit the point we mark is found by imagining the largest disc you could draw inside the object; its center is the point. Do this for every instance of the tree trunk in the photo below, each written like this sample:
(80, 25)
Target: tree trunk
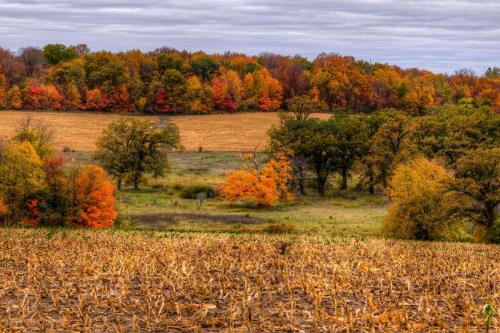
(371, 181)
(489, 215)
(136, 181)
(119, 184)
(343, 185)
(321, 185)
(371, 186)
(301, 181)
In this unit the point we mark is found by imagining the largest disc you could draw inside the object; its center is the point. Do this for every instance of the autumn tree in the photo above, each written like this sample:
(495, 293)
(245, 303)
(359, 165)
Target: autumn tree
(96, 100)
(3, 91)
(386, 82)
(21, 178)
(227, 91)
(492, 72)
(11, 67)
(269, 91)
(14, 97)
(94, 193)
(128, 148)
(198, 96)
(420, 203)
(33, 60)
(263, 186)
(72, 97)
(59, 206)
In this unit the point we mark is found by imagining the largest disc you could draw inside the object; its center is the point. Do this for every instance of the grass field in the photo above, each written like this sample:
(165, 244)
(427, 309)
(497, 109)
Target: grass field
(223, 132)
(159, 205)
(93, 281)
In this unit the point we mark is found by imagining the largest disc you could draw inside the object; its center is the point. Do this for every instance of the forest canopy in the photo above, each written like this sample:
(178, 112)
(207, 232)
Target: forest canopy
(60, 77)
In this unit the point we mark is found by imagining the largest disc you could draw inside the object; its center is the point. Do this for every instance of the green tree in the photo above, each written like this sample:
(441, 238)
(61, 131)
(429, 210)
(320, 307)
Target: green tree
(467, 127)
(492, 72)
(351, 138)
(290, 138)
(477, 186)
(319, 151)
(426, 134)
(203, 67)
(368, 162)
(56, 53)
(389, 146)
(175, 86)
(105, 70)
(128, 148)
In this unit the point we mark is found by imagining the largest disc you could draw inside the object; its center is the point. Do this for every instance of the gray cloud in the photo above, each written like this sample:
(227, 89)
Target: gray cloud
(439, 35)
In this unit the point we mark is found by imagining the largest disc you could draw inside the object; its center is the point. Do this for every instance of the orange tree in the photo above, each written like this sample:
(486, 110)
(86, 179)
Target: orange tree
(94, 194)
(263, 186)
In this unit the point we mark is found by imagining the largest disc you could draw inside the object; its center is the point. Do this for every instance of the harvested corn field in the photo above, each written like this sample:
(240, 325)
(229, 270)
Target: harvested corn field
(88, 281)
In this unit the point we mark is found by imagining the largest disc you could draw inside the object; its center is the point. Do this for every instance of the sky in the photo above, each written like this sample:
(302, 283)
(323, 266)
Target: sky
(441, 36)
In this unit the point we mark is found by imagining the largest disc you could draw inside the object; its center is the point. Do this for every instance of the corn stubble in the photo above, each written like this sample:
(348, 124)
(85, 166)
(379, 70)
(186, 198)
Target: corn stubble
(100, 281)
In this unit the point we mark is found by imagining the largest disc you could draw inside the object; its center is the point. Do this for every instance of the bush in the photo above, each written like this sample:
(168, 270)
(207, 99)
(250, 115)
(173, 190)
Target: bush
(420, 206)
(190, 191)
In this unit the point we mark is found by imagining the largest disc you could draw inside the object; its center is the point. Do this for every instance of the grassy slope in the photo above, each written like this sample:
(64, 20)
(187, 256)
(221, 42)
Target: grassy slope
(222, 132)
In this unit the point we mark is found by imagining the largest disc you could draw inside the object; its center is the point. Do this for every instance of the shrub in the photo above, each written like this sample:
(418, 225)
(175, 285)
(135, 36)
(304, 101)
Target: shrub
(263, 187)
(190, 191)
(420, 206)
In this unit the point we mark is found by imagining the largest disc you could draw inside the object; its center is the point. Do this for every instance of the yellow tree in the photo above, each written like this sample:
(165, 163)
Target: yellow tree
(420, 207)
(21, 176)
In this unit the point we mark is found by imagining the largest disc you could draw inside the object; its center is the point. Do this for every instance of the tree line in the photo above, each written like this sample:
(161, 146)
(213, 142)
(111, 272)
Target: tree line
(440, 169)
(60, 77)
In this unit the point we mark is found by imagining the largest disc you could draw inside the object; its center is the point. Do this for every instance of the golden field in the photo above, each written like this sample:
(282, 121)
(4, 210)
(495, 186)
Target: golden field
(105, 281)
(220, 132)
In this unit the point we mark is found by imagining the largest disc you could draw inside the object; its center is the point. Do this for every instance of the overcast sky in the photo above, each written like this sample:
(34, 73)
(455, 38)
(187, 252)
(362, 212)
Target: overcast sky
(440, 35)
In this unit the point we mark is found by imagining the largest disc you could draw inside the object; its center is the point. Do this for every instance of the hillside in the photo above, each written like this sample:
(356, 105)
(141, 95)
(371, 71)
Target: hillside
(220, 132)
